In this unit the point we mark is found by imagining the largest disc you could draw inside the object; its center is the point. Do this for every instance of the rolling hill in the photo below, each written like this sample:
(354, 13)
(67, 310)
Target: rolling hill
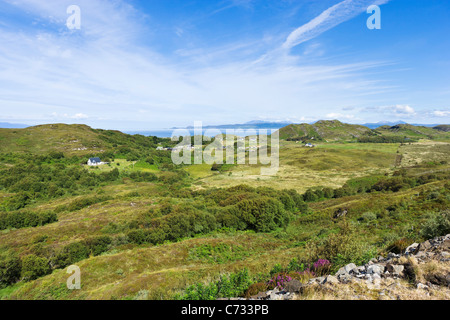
(327, 130)
(75, 139)
(334, 130)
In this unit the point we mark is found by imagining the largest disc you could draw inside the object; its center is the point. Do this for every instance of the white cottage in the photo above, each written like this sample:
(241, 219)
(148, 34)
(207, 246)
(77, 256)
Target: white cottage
(94, 162)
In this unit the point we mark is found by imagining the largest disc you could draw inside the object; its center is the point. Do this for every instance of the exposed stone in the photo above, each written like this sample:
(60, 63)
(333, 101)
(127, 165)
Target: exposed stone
(411, 249)
(345, 278)
(392, 255)
(259, 296)
(341, 271)
(318, 280)
(376, 273)
(439, 279)
(293, 286)
(349, 267)
(331, 280)
(422, 286)
(376, 268)
(394, 269)
(424, 246)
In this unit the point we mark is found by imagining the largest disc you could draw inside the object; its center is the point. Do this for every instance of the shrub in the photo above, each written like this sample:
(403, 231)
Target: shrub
(228, 286)
(255, 289)
(278, 281)
(438, 225)
(321, 267)
(71, 254)
(98, 245)
(368, 216)
(341, 248)
(399, 246)
(10, 269)
(84, 202)
(24, 219)
(34, 267)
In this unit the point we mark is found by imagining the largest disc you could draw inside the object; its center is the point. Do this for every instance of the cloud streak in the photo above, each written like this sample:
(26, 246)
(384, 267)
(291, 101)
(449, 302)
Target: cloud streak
(328, 19)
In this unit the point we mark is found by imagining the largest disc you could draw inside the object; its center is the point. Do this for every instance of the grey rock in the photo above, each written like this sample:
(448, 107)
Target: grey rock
(361, 269)
(341, 271)
(260, 296)
(345, 278)
(349, 267)
(392, 255)
(394, 269)
(318, 280)
(375, 268)
(422, 286)
(424, 246)
(331, 280)
(293, 286)
(411, 249)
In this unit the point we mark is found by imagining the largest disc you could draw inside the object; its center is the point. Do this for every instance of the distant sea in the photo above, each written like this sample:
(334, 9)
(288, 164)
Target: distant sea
(167, 133)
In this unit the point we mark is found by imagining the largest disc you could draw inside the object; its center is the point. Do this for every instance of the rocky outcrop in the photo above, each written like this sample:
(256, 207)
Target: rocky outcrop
(377, 272)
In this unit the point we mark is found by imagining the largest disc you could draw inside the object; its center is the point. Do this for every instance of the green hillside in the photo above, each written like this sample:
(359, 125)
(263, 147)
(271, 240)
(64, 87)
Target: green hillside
(329, 131)
(77, 140)
(324, 130)
(414, 132)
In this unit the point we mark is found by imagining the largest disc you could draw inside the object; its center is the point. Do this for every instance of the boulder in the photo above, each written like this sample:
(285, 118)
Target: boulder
(424, 246)
(445, 246)
(345, 278)
(375, 269)
(259, 296)
(422, 286)
(293, 286)
(331, 280)
(396, 270)
(411, 249)
(341, 271)
(348, 268)
(318, 280)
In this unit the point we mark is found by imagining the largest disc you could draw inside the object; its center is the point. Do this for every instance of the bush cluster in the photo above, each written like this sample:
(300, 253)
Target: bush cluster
(227, 286)
(399, 181)
(238, 208)
(80, 250)
(24, 219)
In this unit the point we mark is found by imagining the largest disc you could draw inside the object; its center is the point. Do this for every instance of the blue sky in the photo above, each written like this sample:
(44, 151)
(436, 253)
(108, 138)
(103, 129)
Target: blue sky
(142, 65)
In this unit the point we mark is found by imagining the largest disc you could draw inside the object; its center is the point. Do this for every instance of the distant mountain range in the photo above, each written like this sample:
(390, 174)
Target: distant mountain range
(391, 124)
(263, 124)
(255, 124)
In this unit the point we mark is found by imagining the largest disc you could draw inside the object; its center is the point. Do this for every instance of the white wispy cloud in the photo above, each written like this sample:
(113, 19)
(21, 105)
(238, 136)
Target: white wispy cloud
(401, 110)
(329, 19)
(441, 113)
(340, 116)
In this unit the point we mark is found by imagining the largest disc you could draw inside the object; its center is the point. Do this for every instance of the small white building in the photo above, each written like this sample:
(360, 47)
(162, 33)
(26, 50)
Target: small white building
(94, 162)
